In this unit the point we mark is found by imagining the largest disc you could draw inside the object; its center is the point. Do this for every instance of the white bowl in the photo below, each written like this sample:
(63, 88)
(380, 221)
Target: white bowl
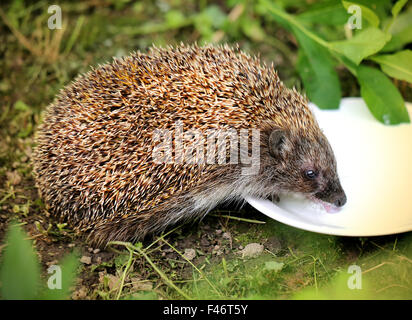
(375, 169)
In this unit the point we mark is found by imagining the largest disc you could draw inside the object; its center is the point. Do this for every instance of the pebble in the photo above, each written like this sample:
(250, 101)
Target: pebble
(80, 294)
(114, 282)
(190, 254)
(227, 236)
(141, 285)
(252, 250)
(86, 260)
(14, 177)
(53, 262)
(204, 242)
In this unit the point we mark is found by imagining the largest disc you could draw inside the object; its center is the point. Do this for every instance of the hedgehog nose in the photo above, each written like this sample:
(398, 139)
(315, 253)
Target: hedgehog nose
(340, 201)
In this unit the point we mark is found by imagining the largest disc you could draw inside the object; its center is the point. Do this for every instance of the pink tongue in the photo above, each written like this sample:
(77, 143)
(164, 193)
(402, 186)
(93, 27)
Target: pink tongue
(330, 208)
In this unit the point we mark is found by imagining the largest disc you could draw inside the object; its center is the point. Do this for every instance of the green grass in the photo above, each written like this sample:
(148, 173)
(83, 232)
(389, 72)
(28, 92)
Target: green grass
(308, 266)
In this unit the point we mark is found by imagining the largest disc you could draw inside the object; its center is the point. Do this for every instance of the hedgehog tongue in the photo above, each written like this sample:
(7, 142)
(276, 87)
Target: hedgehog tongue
(329, 208)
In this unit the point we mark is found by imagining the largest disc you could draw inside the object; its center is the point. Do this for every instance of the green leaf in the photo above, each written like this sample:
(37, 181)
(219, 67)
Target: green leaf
(336, 289)
(21, 106)
(399, 40)
(174, 18)
(208, 20)
(317, 71)
(402, 21)
(68, 267)
(329, 13)
(20, 272)
(401, 30)
(398, 65)
(362, 45)
(381, 96)
(289, 21)
(366, 12)
(253, 29)
(397, 7)
(216, 15)
(315, 67)
(274, 266)
(275, 12)
(320, 79)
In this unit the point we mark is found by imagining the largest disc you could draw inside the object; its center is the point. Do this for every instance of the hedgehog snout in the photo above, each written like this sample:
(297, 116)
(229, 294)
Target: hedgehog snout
(340, 199)
(333, 193)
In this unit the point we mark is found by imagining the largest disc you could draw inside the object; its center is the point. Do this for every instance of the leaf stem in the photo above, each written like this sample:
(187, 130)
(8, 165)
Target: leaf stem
(169, 282)
(293, 22)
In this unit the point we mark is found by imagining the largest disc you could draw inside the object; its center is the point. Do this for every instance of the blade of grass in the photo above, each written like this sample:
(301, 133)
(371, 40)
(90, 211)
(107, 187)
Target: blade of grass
(135, 249)
(75, 34)
(237, 218)
(128, 265)
(196, 268)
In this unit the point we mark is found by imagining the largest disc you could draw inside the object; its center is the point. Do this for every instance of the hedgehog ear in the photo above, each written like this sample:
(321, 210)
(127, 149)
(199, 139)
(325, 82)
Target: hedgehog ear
(276, 142)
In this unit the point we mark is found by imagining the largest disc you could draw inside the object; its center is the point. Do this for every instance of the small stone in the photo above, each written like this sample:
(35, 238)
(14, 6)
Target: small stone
(71, 245)
(28, 151)
(101, 276)
(80, 294)
(204, 242)
(273, 244)
(252, 250)
(86, 260)
(190, 254)
(141, 285)
(226, 236)
(13, 177)
(51, 263)
(114, 282)
(95, 251)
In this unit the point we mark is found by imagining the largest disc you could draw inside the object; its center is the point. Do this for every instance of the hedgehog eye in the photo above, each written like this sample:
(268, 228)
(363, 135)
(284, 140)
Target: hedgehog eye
(311, 174)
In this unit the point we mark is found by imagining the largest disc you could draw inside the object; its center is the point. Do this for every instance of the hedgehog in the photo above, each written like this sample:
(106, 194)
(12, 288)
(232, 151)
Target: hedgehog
(105, 162)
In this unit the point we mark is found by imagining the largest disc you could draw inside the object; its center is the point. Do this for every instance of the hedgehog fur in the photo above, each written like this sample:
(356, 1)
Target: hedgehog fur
(93, 161)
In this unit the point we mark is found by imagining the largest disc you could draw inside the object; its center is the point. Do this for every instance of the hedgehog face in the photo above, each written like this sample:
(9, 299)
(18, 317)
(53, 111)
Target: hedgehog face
(306, 165)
